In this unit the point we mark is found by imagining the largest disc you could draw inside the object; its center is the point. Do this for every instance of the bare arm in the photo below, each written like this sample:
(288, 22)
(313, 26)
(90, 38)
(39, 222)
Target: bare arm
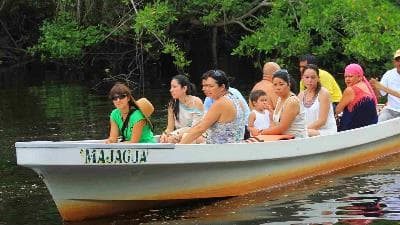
(212, 116)
(137, 130)
(170, 126)
(377, 85)
(171, 120)
(324, 106)
(374, 84)
(114, 132)
(347, 97)
(270, 102)
(290, 112)
(198, 104)
(253, 131)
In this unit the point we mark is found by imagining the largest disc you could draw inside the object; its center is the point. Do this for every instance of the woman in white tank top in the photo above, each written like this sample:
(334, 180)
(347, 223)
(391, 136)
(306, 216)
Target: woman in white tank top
(289, 115)
(317, 103)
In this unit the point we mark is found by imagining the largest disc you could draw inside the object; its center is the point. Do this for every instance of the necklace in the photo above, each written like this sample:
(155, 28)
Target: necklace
(124, 115)
(186, 100)
(308, 102)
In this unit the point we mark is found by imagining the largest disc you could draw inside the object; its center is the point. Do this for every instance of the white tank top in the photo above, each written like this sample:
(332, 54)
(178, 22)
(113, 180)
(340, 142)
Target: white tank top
(312, 114)
(262, 120)
(298, 127)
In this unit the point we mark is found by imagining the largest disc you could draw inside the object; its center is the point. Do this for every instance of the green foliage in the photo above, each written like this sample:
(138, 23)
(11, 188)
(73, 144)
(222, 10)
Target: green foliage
(179, 56)
(160, 19)
(375, 32)
(64, 38)
(338, 31)
(210, 18)
(363, 30)
(154, 20)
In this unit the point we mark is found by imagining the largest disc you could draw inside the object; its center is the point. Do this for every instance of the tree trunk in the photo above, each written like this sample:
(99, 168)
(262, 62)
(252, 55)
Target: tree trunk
(214, 47)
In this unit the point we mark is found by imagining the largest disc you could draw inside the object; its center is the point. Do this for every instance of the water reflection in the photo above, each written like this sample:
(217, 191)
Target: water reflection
(367, 194)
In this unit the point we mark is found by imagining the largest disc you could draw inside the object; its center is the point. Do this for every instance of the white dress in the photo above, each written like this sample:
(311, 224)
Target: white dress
(262, 119)
(312, 114)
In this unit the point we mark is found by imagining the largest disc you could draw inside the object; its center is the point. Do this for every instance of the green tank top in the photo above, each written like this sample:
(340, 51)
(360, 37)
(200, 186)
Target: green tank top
(136, 116)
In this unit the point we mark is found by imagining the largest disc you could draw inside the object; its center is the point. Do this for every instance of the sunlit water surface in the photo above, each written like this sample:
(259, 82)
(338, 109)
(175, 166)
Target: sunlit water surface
(367, 194)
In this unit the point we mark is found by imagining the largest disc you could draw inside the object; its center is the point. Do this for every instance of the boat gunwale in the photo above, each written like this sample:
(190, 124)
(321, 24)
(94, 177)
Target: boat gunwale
(294, 148)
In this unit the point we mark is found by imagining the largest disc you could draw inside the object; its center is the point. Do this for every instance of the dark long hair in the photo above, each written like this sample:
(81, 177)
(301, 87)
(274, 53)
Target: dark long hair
(123, 89)
(183, 81)
(316, 69)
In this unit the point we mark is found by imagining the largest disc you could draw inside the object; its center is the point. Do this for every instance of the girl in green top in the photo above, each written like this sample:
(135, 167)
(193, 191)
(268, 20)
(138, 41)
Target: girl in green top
(130, 119)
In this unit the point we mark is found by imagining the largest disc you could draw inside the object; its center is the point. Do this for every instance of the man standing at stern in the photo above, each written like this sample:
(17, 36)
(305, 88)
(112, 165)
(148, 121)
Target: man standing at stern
(391, 82)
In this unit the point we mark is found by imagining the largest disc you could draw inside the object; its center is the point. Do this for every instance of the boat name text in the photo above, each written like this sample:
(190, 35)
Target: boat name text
(114, 156)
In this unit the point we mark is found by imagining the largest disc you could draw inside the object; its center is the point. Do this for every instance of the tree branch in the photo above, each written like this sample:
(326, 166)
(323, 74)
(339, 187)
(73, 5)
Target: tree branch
(263, 3)
(154, 34)
(9, 35)
(118, 26)
(295, 14)
(2, 5)
(244, 26)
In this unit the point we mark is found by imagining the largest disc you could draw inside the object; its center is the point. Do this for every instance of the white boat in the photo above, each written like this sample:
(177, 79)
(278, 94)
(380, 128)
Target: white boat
(89, 179)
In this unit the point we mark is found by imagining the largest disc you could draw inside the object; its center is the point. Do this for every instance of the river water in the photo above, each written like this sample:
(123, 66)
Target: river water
(366, 194)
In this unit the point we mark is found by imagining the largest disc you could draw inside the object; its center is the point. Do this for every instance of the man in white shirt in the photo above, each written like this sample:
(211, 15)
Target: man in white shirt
(391, 79)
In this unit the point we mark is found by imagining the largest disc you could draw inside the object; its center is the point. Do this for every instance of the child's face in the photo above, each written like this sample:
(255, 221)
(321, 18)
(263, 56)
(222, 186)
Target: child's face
(261, 103)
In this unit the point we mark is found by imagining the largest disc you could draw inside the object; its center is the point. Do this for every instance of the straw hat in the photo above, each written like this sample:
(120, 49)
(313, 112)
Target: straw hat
(146, 108)
(396, 54)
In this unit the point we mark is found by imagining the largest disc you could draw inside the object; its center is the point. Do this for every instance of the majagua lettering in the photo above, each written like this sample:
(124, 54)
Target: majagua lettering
(114, 156)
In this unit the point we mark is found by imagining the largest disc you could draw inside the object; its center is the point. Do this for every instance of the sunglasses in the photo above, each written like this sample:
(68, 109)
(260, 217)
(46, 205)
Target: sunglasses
(281, 72)
(120, 97)
(217, 73)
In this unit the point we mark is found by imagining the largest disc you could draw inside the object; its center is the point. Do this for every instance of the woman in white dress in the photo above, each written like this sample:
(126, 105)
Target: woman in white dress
(184, 110)
(317, 102)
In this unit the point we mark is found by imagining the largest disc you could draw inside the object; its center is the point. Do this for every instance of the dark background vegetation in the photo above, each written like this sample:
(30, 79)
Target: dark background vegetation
(148, 42)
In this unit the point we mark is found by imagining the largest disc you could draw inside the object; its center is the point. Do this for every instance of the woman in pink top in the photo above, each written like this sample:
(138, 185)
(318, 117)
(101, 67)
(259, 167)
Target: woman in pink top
(358, 103)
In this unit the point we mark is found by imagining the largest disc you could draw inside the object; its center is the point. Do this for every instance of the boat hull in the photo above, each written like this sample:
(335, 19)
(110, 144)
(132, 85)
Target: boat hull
(84, 188)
